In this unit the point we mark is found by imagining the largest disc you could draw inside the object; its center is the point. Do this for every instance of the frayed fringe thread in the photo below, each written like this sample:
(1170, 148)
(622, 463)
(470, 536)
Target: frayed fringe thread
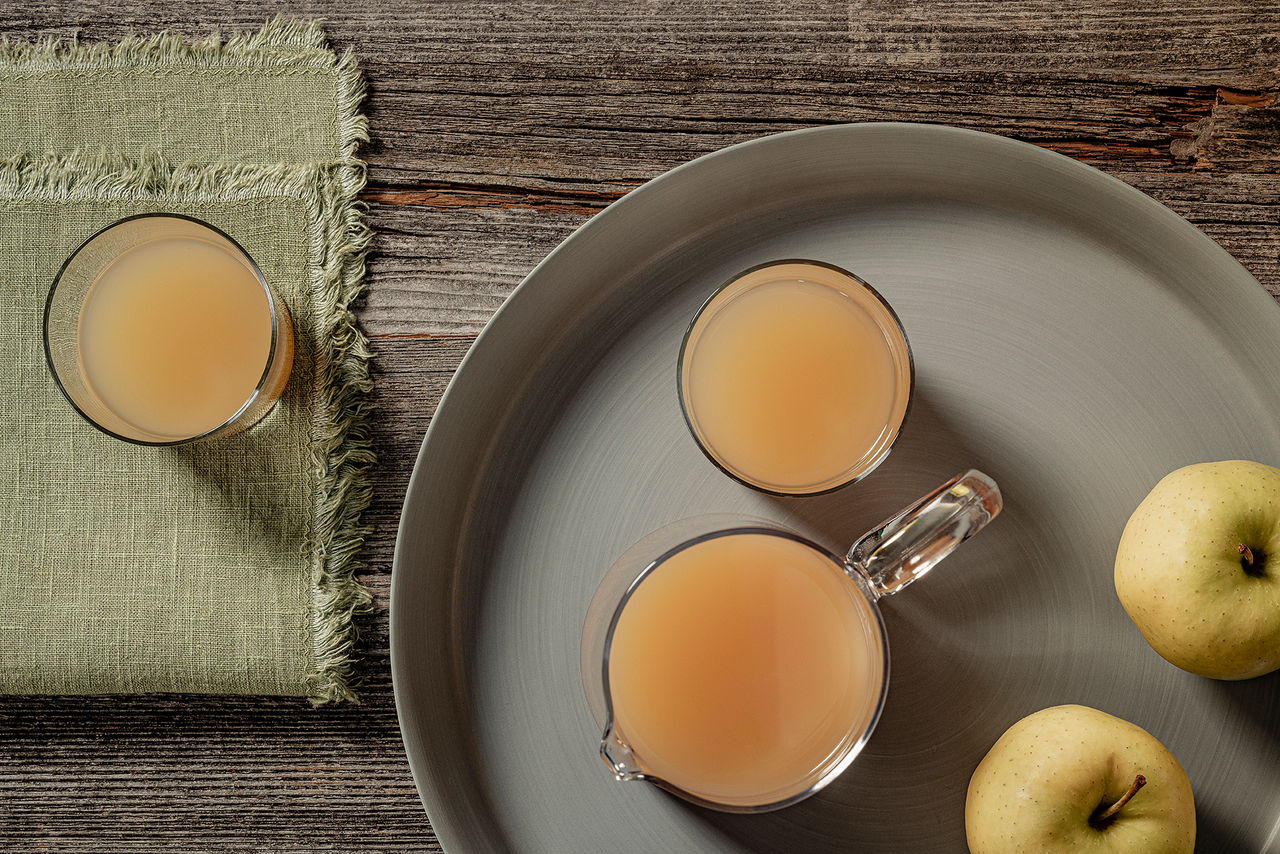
(344, 457)
(282, 41)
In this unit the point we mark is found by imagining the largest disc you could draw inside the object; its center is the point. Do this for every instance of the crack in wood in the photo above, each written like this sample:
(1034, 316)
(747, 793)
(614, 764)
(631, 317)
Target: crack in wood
(420, 336)
(1246, 98)
(1240, 133)
(462, 196)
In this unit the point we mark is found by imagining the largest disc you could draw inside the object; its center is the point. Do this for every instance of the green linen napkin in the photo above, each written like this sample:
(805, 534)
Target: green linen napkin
(221, 567)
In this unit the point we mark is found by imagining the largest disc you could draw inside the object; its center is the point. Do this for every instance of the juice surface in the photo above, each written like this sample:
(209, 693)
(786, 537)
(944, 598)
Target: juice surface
(741, 664)
(791, 384)
(175, 335)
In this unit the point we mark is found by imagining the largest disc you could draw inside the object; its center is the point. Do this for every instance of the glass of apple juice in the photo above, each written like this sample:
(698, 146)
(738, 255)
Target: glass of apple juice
(795, 378)
(161, 330)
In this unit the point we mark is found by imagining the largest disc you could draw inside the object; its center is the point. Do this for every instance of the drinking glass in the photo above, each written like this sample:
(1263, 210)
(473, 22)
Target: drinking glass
(64, 319)
(795, 377)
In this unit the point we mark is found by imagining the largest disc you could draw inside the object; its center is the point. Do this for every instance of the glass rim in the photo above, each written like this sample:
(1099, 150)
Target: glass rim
(272, 307)
(884, 452)
(854, 747)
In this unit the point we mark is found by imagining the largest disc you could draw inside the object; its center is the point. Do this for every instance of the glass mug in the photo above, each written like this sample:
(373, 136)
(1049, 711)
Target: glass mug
(160, 330)
(795, 377)
(741, 666)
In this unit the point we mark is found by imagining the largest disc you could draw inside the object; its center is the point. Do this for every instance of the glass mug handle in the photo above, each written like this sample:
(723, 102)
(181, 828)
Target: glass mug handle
(906, 546)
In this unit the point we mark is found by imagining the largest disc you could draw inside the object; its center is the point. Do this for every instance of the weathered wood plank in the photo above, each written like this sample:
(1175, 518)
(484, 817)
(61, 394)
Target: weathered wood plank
(600, 114)
(1192, 42)
(442, 268)
(194, 774)
(564, 134)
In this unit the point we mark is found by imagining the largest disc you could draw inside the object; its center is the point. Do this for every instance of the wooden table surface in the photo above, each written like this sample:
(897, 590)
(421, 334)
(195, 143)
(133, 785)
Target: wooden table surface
(500, 127)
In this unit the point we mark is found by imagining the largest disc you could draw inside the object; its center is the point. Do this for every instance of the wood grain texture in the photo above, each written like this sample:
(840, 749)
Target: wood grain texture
(444, 267)
(500, 127)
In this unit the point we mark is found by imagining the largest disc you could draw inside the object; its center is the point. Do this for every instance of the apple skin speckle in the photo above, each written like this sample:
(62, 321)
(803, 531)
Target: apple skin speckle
(1179, 575)
(1038, 786)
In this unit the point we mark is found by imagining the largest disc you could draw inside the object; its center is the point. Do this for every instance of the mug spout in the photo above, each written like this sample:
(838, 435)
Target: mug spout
(617, 754)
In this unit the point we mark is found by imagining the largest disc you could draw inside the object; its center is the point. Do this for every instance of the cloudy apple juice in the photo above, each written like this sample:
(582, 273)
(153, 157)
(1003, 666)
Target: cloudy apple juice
(175, 335)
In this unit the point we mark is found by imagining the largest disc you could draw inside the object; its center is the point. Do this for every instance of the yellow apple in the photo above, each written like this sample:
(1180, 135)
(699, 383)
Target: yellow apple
(1198, 569)
(1072, 778)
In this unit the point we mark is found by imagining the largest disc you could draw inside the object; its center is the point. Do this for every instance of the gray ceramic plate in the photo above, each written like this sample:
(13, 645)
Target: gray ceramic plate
(1073, 338)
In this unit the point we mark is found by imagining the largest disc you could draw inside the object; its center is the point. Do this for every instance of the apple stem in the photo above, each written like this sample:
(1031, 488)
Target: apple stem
(1248, 555)
(1138, 783)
